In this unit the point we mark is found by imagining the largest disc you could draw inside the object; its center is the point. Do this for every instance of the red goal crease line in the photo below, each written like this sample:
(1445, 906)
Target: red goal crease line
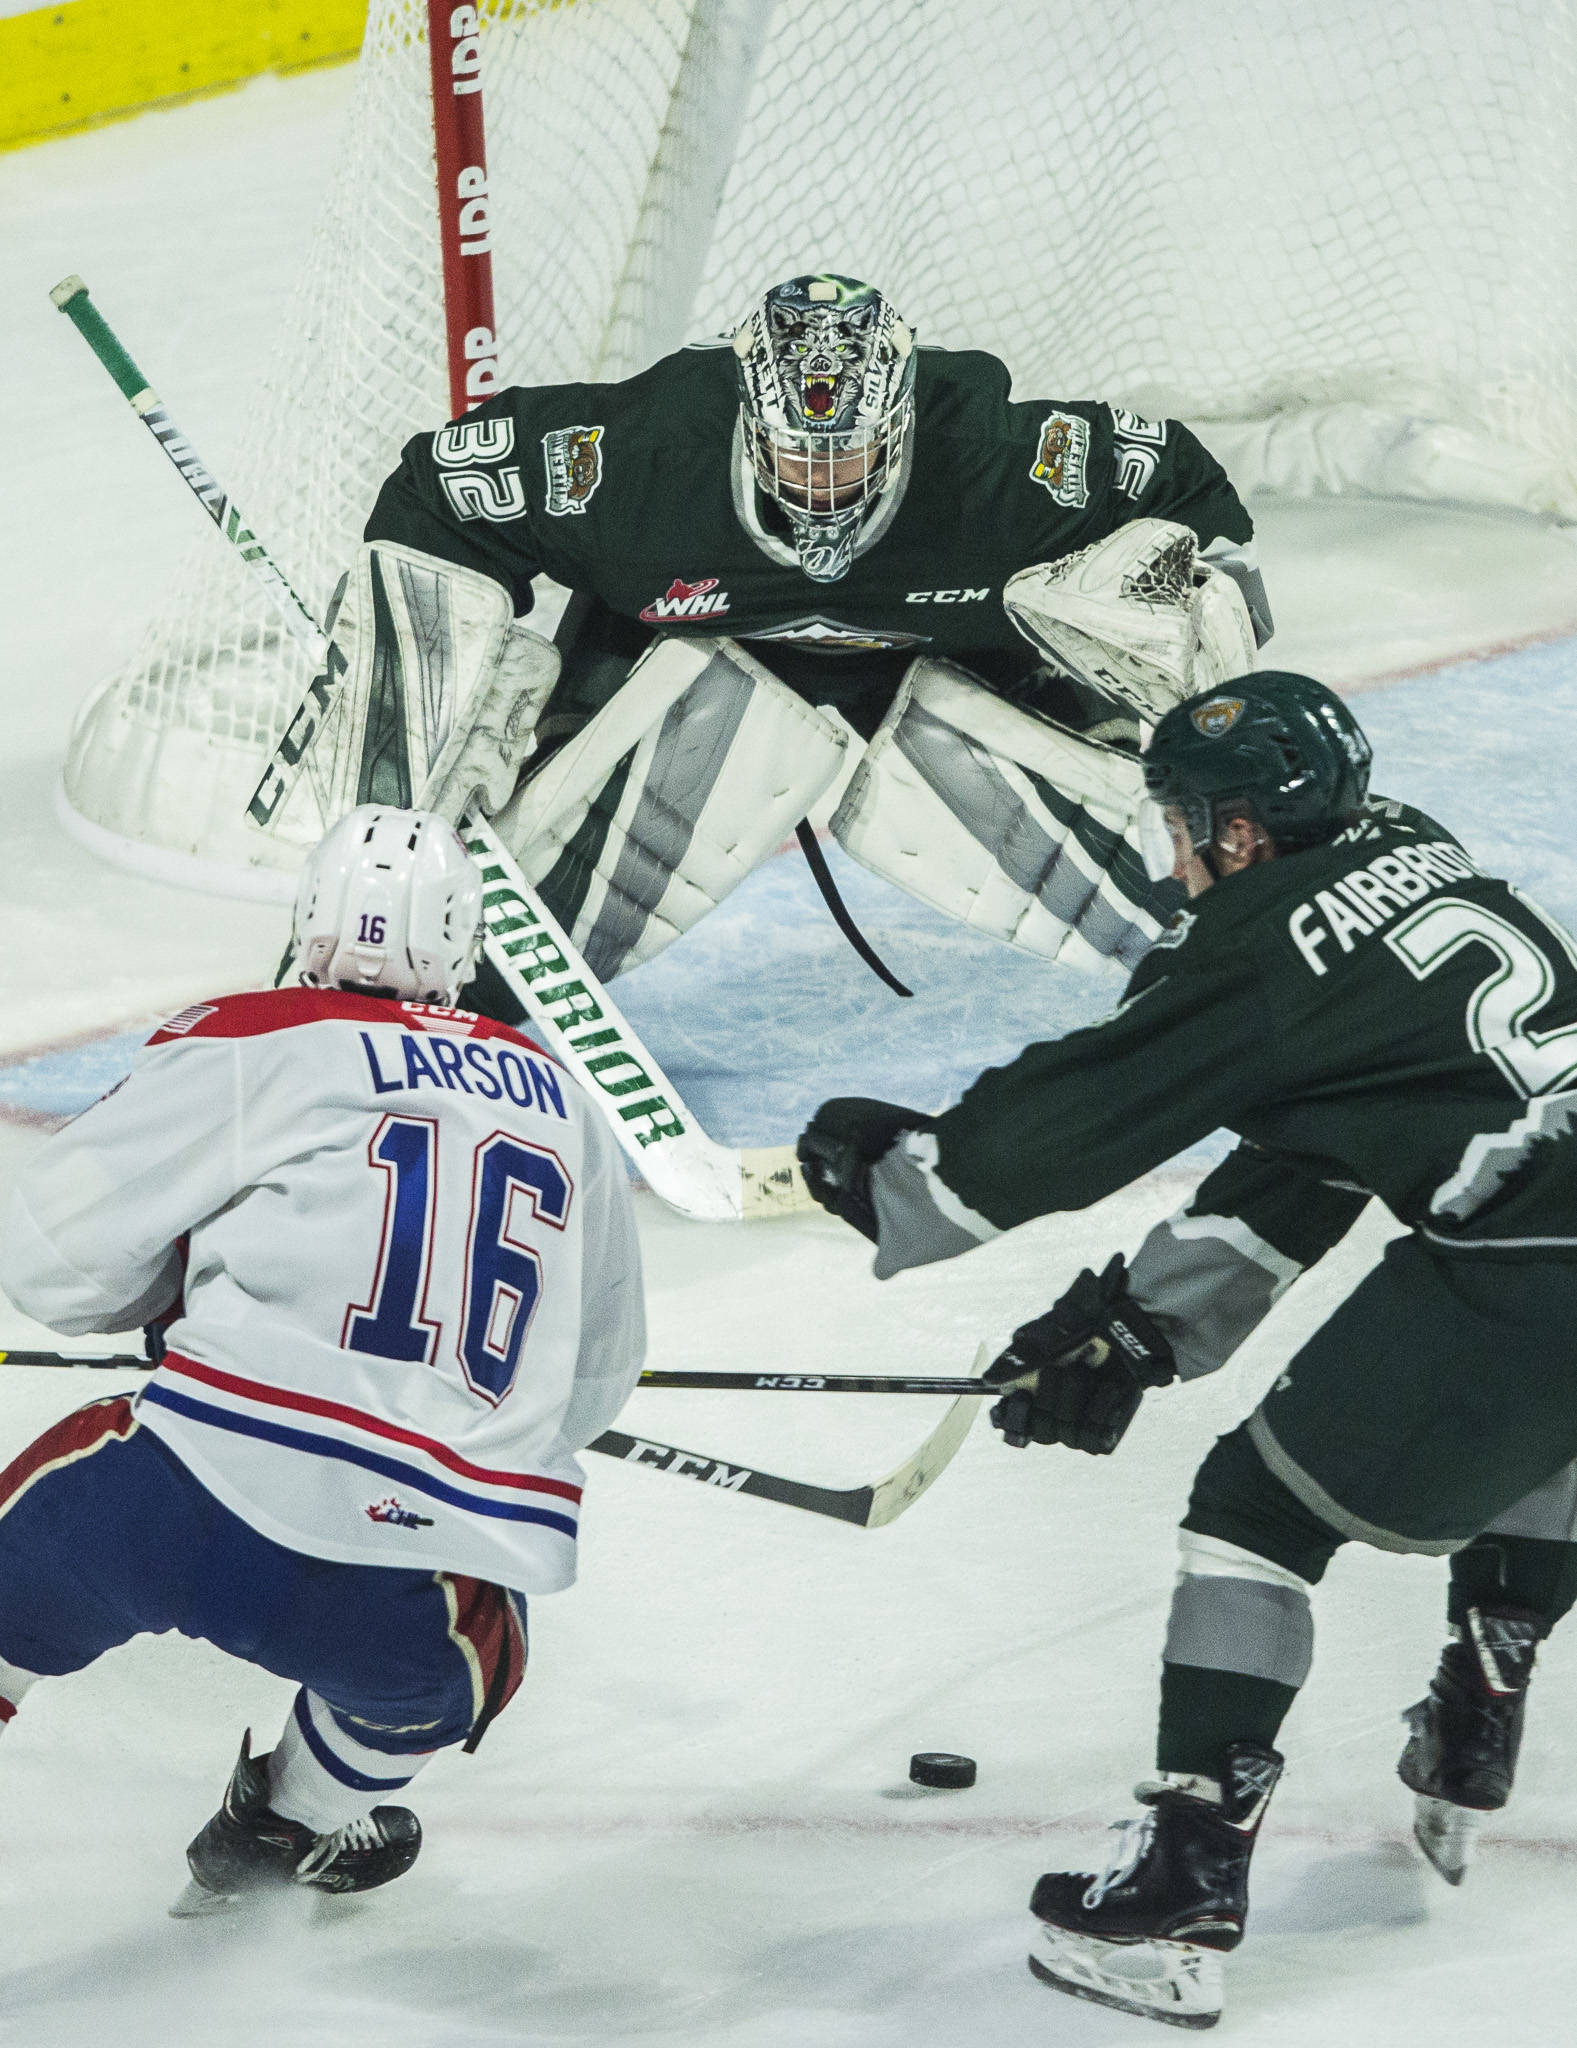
(978, 1827)
(1548, 636)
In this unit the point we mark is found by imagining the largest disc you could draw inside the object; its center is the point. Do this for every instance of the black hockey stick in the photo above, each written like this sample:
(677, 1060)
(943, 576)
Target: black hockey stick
(816, 861)
(695, 1382)
(814, 1383)
(868, 1507)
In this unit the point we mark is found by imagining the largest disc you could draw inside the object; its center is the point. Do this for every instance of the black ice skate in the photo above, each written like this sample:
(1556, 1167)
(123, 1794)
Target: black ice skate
(1147, 1935)
(248, 1848)
(1461, 1756)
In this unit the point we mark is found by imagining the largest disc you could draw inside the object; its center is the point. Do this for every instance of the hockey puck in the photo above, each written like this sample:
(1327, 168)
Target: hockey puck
(941, 1767)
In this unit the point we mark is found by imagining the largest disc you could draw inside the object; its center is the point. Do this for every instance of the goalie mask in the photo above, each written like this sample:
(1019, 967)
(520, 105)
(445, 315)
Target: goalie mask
(389, 904)
(826, 408)
(1276, 747)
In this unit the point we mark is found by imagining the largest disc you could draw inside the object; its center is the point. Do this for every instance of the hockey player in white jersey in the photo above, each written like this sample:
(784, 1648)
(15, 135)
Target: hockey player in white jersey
(394, 1257)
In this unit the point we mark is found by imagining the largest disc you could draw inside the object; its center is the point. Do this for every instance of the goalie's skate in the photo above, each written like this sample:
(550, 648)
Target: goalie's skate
(248, 1848)
(1461, 1754)
(1147, 1934)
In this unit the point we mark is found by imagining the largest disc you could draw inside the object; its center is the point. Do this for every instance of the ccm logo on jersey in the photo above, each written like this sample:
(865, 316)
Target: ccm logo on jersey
(683, 600)
(1369, 897)
(946, 596)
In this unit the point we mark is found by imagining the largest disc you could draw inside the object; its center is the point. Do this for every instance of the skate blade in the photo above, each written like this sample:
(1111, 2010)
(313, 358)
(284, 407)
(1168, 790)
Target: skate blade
(1170, 1981)
(197, 1902)
(1446, 1834)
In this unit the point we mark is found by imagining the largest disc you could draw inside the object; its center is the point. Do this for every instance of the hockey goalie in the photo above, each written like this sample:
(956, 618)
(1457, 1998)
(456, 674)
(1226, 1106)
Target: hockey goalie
(810, 537)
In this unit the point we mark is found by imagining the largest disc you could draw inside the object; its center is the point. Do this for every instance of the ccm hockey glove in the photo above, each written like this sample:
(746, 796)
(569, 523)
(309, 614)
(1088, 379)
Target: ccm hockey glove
(840, 1145)
(1078, 1373)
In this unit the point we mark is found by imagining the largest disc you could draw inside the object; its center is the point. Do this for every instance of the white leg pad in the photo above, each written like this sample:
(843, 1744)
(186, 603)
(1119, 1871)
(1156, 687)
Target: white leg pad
(670, 796)
(1003, 821)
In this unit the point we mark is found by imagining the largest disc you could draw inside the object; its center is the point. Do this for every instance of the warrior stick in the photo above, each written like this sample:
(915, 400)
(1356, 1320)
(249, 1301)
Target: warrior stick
(532, 954)
(868, 1507)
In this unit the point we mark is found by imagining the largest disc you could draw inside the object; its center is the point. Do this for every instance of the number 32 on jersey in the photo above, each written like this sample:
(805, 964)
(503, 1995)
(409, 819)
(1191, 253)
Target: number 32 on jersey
(515, 1186)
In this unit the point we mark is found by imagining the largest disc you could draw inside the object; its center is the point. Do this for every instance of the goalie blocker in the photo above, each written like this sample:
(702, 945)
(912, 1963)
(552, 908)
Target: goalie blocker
(427, 699)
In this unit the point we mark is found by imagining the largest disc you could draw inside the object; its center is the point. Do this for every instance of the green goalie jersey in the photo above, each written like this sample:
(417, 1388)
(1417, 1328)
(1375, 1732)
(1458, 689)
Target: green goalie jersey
(640, 495)
(1373, 1016)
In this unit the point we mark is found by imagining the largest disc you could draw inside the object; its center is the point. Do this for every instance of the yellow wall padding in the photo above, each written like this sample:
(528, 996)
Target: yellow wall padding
(82, 61)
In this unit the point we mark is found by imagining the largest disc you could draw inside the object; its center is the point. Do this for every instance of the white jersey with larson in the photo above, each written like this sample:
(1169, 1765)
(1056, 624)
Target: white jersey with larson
(402, 1251)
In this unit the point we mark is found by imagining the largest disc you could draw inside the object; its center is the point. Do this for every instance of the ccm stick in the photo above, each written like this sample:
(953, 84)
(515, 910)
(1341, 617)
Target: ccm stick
(868, 1507)
(534, 956)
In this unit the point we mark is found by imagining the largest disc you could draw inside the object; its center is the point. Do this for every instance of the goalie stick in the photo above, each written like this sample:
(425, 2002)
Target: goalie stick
(868, 1507)
(535, 958)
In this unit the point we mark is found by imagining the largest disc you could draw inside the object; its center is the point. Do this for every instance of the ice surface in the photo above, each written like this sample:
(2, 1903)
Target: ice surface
(694, 1825)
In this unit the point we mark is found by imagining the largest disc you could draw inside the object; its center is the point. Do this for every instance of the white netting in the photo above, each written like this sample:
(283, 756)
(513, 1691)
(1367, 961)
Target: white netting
(1338, 238)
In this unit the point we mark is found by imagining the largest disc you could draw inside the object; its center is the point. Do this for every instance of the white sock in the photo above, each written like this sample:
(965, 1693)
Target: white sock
(324, 1778)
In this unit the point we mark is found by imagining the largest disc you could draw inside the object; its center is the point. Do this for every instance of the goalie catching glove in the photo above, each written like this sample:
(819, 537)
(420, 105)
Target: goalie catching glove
(1077, 1374)
(1140, 615)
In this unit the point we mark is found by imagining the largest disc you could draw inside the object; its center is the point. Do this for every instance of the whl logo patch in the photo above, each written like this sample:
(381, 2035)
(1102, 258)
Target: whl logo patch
(683, 600)
(397, 1514)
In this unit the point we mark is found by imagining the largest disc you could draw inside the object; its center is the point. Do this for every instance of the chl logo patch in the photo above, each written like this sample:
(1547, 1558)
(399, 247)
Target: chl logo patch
(1062, 458)
(395, 1512)
(1217, 717)
(683, 600)
(573, 457)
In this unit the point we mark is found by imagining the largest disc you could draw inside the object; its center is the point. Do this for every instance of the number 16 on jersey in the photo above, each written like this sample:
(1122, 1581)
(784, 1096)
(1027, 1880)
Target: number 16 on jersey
(517, 1188)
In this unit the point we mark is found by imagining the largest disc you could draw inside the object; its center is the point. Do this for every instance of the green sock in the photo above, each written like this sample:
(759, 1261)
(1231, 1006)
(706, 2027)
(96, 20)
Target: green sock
(1203, 1710)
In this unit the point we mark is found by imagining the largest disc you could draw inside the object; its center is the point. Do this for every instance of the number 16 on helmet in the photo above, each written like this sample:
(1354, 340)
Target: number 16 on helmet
(389, 903)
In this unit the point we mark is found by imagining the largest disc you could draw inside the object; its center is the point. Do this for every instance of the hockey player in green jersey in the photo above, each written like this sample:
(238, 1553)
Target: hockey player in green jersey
(1372, 1015)
(813, 533)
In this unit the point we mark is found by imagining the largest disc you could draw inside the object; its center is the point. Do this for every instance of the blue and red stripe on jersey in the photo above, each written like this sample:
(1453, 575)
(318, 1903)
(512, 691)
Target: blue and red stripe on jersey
(368, 1455)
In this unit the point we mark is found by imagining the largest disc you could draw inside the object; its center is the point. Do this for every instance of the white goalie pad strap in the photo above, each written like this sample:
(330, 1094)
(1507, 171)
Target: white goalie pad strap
(1139, 615)
(1003, 821)
(441, 689)
(668, 798)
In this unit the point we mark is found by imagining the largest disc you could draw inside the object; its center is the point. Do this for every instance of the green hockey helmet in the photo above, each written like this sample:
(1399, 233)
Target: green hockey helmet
(1276, 747)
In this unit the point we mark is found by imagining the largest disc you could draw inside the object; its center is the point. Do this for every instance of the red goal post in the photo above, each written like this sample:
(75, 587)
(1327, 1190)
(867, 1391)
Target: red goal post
(454, 44)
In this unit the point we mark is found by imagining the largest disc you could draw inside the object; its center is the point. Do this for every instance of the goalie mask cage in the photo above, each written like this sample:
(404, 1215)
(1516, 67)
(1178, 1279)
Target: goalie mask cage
(1336, 239)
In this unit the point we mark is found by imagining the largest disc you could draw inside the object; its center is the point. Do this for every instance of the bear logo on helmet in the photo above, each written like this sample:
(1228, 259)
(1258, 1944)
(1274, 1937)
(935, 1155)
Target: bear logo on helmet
(1217, 717)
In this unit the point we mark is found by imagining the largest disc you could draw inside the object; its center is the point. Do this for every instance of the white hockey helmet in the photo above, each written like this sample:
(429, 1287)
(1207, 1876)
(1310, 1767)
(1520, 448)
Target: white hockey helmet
(389, 903)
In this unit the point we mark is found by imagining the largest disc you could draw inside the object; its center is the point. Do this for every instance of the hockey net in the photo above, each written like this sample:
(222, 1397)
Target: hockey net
(1337, 240)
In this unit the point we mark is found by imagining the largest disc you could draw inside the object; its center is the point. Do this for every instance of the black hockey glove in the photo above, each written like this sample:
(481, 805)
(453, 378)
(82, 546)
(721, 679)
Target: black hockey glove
(840, 1145)
(1088, 1361)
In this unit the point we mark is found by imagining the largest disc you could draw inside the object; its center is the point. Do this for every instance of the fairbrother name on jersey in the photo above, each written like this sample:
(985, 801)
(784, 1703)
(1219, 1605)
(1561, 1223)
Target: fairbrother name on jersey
(1314, 1006)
